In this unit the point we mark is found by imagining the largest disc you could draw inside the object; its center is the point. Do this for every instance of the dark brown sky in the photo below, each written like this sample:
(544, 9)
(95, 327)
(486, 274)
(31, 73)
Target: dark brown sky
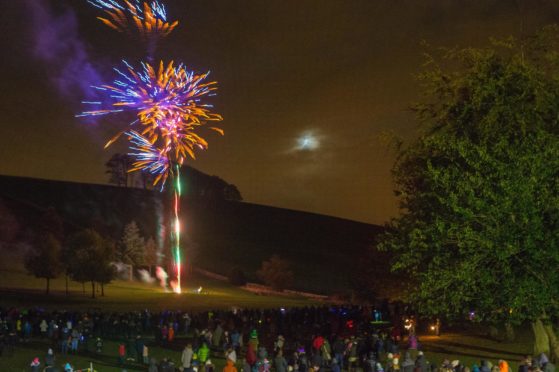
(339, 70)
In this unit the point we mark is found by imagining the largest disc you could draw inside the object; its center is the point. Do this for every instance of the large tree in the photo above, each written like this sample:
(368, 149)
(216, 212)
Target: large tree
(479, 189)
(132, 248)
(44, 259)
(90, 258)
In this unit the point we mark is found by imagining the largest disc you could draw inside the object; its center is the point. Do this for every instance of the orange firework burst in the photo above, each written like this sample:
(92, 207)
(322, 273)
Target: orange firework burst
(149, 19)
(168, 105)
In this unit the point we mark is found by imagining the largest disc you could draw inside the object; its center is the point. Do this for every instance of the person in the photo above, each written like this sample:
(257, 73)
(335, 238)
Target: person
(49, 359)
(408, 364)
(203, 353)
(68, 368)
(279, 362)
(335, 367)
(208, 366)
(421, 363)
(35, 365)
(230, 366)
(99, 345)
(145, 354)
(525, 364)
(121, 354)
(186, 357)
(153, 365)
(231, 354)
(545, 364)
(503, 366)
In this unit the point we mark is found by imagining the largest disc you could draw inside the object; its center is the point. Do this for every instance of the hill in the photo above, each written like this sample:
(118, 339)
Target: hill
(220, 234)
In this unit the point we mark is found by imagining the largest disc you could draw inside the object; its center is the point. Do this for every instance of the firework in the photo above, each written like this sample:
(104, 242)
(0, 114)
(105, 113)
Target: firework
(168, 108)
(148, 19)
(149, 158)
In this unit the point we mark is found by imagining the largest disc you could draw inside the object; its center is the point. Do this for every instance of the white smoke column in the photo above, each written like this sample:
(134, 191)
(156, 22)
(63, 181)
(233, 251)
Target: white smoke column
(145, 276)
(162, 276)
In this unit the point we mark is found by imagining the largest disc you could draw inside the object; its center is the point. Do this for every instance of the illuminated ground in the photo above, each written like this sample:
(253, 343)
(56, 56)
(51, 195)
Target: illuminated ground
(19, 289)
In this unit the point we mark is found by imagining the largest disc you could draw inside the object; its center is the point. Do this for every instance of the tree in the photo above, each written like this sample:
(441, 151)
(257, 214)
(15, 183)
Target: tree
(90, 259)
(276, 273)
(132, 248)
(44, 261)
(150, 257)
(479, 196)
(117, 169)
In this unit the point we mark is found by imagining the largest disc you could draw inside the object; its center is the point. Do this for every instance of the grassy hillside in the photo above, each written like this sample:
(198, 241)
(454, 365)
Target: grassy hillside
(218, 234)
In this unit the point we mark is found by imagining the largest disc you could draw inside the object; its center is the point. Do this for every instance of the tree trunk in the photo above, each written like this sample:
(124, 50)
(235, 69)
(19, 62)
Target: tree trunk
(494, 333)
(48, 285)
(66, 284)
(92, 289)
(553, 342)
(541, 339)
(102, 290)
(509, 332)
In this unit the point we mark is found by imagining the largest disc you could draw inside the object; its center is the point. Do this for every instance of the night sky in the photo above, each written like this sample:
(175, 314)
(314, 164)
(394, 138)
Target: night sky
(305, 88)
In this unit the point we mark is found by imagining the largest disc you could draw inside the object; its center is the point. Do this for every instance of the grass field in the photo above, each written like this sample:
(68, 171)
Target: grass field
(19, 289)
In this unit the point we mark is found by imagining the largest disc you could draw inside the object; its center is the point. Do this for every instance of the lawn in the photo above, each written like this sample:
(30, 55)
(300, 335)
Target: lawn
(21, 290)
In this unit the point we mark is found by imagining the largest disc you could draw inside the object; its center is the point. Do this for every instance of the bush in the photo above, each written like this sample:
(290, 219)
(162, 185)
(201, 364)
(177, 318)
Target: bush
(237, 277)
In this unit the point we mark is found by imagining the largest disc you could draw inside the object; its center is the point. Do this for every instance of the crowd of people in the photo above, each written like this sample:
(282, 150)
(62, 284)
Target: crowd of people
(284, 340)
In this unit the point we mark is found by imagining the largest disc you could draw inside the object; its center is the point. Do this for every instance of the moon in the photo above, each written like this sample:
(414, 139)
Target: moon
(307, 142)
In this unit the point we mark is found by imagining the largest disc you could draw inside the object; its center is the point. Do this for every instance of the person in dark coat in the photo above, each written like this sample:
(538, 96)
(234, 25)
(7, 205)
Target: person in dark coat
(408, 364)
(484, 366)
(421, 363)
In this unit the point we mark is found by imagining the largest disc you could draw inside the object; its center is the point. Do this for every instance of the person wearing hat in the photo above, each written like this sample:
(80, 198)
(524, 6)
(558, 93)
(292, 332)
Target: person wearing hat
(421, 362)
(208, 366)
(35, 363)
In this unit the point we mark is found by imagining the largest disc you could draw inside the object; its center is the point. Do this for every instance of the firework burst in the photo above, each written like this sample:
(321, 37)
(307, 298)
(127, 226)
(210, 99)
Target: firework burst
(148, 19)
(167, 103)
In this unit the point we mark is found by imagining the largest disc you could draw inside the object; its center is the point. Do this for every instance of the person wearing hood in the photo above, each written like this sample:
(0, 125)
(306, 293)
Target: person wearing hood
(408, 364)
(203, 353)
(504, 366)
(421, 363)
(35, 365)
